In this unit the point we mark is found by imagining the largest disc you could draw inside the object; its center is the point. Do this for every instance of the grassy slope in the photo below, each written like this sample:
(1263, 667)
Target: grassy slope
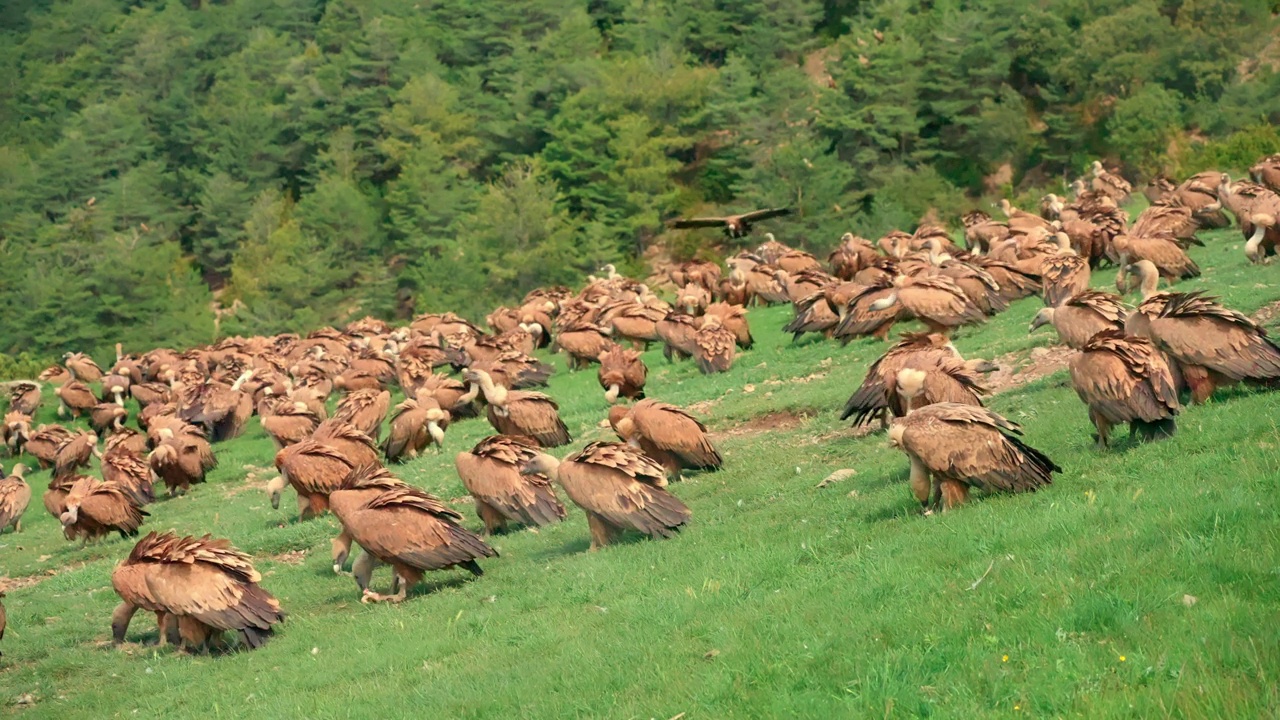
(781, 599)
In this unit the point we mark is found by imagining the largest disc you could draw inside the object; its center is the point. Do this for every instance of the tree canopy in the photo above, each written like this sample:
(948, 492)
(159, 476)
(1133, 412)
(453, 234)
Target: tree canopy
(308, 161)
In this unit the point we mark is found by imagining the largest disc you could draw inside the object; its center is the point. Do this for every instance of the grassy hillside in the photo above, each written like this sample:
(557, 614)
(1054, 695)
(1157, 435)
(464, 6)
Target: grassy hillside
(1143, 583)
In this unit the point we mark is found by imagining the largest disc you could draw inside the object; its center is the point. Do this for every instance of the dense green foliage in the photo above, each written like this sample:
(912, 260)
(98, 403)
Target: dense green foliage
(316, 160)
(1140, 584)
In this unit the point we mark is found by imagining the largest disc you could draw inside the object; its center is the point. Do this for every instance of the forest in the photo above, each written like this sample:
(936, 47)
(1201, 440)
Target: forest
(171, 172)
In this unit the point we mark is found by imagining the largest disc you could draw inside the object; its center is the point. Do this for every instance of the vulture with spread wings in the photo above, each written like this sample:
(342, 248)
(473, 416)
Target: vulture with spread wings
(735, 226)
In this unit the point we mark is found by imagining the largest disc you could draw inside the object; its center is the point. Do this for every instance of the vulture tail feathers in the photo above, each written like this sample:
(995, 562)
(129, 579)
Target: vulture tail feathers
(472, 566)
(867, 403)
(1039, 468)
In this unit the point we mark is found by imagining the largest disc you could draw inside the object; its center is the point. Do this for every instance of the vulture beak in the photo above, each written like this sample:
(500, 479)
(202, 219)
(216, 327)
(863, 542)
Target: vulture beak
(896, 431)
(1044, 317)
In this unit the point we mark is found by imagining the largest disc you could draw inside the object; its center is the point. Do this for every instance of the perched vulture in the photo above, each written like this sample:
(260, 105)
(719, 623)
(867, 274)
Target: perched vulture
(1212, 345)
(74, 452)
(206, 584)
(734, 319)
(44, 443)
(677, 331)
(114, 388)
(1063, 276)
(521, 412)
(1267, 172)
(853, 254)
(583, 342)
(317, 466)
(703, 273)
(74, 397)
(16, 431)
(96, 508)
(181, 460)
(667, 434)
(1082, 316)
(127, 438)
(935, 373)
(108, 416)
(415, 424)
(693, 299)
(365, 410)
(451, 395)
(622, 373)
(863, 313)
(1110, 184)
(1171, 260)
(55, 497)
(15, 494)
(619, 488)
(1125, 379)
(813, 314)
(735, 226)
(131, 471)
(965, 446)
(935, 300)
(713, 346)
(491, 472)
(404, 527)
(288, 421)
(82, 367)
(24, 397)
(54, 375)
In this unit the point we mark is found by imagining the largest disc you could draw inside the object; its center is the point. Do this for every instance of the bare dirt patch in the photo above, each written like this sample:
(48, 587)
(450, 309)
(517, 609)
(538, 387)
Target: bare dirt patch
(1016, 370)
(769, 422)
(9, 584)
(292, 557)
(1267, 313)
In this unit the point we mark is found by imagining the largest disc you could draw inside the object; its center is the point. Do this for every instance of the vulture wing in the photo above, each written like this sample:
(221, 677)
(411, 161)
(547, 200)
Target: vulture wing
(406, 525)
(1198, 331)
(491, 472)
(606, 479)
(976, 446)
(108, 504)
(684, 223)
(676, 431)
(15, 494)
(538, 415)
(758, 215)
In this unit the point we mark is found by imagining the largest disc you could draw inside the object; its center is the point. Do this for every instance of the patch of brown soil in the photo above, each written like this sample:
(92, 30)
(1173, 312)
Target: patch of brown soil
(769, 422)
(292, 557)
(1267, 313)
(1016, 369)
(8, 584)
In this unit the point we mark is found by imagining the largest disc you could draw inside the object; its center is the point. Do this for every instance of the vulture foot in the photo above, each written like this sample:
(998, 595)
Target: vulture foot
(373, 597)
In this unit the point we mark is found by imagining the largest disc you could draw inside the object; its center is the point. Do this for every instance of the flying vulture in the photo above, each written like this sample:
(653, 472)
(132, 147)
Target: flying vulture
(735, 226)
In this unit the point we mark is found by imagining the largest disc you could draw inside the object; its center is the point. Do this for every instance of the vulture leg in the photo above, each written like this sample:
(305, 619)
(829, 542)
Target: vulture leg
(194, 634)
(493, 520)
(362, 571)
(120, 619)
(1104, 430)
(920, 481)
(341, 549)
(602, 533)
(167, 629)
(304, 508)
(1201, 383)
(954, 493)
(399, 595)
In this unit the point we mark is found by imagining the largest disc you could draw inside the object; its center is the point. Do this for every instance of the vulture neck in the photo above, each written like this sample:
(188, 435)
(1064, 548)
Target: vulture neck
(611, 395)
(493, 394)
(1255, 241)
(1149, 276)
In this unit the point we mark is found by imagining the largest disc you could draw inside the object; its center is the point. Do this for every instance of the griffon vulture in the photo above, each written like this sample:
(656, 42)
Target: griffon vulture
(667, 434)
(735, 226)
(491, 472)
(1125, 379)
(622, 374)
(521, 412)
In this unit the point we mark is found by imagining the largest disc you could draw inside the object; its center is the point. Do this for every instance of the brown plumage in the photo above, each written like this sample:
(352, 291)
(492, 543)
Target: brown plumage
(404, 527)
(1213, 345)
(735, 226)
(853, 254)
(151, 393)
(734, 319)
(622, 374)
(693, 299)
(813, 314)
(54, 375)
(1063, 276)
(936, 301)
(127, 438)
(207, 585)
(963, 446)
(108, 416)
(74, 452)
(15, 431)
(714, 346)
(1082, 316)
(82, 367)
(520, 412)
(1162, 251)
(15, 495)
(1165, 219)
(1267, 172)
(317, 466)
(583, 342)
(288, 422)
(668, 434)
(3, 620)
(75, 397)
(619, 488)
(415, 424)
(95, 508)
(181, 459)
(114, 388)
(868, 312)
(937, 373)
(1125, 379)
(677, 331)
(24, 397)
(451, 395)
(365, 410)
(44, 443)
(1110, 184)
(130, 471)
(491, 472)
(702, 273)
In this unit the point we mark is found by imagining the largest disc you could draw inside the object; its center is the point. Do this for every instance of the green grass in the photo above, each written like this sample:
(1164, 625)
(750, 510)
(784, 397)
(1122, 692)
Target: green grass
(780, 599)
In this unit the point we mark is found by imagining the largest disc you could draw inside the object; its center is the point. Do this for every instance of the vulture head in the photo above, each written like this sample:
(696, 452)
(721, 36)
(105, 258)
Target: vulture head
(910, 384)
(541, 464)
(434, 417)
(1097, 168)
(275, 488)
(1042, 318)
